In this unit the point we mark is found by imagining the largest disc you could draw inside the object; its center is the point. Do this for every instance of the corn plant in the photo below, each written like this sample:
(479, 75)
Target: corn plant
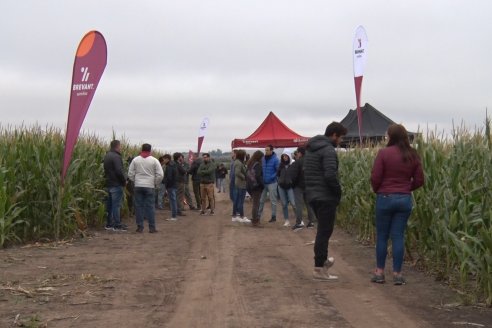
(10, 213)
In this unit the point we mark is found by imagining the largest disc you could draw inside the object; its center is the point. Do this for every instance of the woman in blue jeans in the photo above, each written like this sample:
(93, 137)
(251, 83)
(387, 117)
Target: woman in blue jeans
(397, 171)
(285, 190)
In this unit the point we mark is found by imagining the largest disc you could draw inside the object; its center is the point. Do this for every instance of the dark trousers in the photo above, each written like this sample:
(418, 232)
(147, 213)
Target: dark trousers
(325, 213)
(196, 192)
(300, 200)
(255, 195)
(180, 196)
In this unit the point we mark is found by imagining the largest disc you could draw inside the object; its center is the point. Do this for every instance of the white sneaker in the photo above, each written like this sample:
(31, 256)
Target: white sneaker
(329, 262)
(172, 219)
(236, 219)
(245, 220)
(287, 223)
(321, 274)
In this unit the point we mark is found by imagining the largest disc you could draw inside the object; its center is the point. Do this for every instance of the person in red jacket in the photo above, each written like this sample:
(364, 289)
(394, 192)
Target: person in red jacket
(397, 171)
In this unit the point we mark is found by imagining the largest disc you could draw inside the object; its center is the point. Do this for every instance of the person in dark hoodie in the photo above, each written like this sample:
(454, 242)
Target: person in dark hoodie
(170, 181)
(115, 182)
(180, 181)
(195, 178)
(285, 191)
(323, 192)
(296, 173)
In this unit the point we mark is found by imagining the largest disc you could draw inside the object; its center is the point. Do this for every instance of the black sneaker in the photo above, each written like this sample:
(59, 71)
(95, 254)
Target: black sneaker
(273, 219)
(298, 226)
(310, 225)
(399, 280)
(152, 230)
(140, 229)
(121, 228)
(108, 227)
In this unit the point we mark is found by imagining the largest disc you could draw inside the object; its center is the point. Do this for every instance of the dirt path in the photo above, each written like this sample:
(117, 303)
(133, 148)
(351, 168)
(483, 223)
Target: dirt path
(210, 272)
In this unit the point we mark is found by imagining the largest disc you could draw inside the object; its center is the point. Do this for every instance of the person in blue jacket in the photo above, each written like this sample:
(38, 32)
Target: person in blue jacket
(270, 163)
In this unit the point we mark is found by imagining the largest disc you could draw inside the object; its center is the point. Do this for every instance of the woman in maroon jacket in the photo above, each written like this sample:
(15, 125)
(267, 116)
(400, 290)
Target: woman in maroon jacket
(397, 171)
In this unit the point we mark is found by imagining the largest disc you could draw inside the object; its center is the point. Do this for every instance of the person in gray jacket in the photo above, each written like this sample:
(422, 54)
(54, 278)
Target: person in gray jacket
(115, 182)
(146, 171)
(323, 192)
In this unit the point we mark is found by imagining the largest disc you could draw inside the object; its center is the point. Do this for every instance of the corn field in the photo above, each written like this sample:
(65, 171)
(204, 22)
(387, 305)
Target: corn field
(450, 230)
(449, 233)
(33, 206)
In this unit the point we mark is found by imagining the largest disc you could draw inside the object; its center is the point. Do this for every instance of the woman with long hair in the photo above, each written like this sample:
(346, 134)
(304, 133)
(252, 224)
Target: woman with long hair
(240, 188)
(285, 190)
(254, 184)
(397, 171)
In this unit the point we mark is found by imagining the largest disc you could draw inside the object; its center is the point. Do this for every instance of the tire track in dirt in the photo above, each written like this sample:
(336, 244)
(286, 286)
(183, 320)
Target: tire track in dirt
(361, 303)
(209, 297)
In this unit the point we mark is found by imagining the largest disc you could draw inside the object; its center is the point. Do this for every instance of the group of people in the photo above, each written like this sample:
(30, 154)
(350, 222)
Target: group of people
(309, 182)
(265, 175)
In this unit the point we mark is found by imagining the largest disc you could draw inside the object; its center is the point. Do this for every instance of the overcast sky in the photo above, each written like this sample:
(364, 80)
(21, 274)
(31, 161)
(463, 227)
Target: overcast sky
(172, 63)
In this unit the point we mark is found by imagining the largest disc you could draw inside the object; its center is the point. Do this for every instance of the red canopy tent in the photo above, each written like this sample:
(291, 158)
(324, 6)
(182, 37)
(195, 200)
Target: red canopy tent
(271, 132)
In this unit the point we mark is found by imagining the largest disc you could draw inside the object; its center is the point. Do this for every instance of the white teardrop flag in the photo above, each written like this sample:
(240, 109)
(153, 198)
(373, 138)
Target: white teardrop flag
(360, 57)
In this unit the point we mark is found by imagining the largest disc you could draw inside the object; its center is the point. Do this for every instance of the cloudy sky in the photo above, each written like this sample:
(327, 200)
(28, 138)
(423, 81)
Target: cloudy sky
(171, 63)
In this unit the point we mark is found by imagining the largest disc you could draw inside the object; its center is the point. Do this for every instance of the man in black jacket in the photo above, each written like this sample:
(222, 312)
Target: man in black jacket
(115, 182)
(170, 181)
(323, 192)
(180, 180)
(195, 178)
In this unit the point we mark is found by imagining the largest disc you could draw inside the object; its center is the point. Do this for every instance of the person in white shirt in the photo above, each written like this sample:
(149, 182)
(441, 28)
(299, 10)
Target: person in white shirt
(146, 172)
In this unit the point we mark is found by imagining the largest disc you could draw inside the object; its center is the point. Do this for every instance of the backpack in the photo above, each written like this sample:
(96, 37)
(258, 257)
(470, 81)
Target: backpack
(251, 182)
(284, 180)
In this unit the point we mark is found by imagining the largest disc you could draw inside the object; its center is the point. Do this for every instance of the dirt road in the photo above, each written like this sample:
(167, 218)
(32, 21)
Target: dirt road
(210, 272)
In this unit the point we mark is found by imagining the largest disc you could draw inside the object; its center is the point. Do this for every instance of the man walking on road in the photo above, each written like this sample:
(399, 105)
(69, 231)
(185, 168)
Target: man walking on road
(146, 171)
(323, 192)
(115, 182)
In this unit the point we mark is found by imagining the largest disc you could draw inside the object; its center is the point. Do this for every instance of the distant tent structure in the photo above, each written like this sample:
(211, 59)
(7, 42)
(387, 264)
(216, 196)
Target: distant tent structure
(271, 132)
(374, 126)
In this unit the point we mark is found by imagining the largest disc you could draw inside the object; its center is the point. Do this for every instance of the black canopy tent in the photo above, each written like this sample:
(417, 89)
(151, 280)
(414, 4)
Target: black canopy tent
(374, 126)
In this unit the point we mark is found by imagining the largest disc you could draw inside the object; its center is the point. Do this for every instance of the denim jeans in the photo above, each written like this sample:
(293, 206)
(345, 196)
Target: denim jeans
(231, 190)
(238, 205)
(171, 193)
(270, 189)
(144, 206)
(392, 213)
(286, 196)
(325, 213)
(221, 184)
(113, 204)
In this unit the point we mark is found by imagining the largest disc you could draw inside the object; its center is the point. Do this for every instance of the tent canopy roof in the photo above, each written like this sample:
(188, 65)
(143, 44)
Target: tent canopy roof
(374, 125)
(271, 132)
